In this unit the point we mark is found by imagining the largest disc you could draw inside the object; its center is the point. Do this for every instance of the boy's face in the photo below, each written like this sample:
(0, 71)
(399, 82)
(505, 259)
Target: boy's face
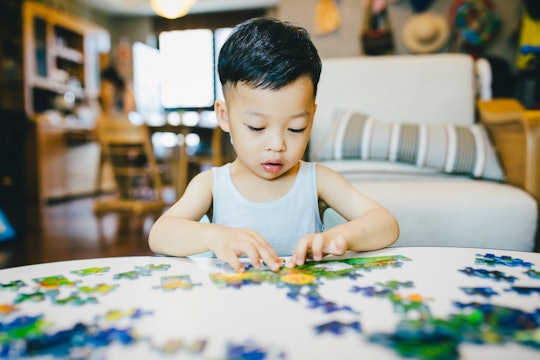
(269, 128)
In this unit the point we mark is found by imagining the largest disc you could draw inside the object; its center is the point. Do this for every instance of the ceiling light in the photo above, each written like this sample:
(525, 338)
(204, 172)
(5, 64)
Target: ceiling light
(172, 9)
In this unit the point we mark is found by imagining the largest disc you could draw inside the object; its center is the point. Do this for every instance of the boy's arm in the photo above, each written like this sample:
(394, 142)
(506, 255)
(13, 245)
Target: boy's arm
(178, 232)
(369, 227)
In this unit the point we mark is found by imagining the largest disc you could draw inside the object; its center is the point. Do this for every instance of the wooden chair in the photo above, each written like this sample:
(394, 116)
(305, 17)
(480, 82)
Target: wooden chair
(185, 165)
(220, 153)
(516, 134)
(128, 149)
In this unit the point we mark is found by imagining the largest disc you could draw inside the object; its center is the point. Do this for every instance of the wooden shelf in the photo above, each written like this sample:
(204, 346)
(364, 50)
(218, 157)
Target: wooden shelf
(61, 54)
(66, 53)
(55, 87)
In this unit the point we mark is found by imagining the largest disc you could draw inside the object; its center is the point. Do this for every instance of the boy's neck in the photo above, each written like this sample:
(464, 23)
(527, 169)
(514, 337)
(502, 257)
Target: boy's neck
(259, 189)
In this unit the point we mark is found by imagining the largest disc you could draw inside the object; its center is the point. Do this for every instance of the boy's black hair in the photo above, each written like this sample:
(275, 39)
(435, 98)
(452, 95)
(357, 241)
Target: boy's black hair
(267, 53)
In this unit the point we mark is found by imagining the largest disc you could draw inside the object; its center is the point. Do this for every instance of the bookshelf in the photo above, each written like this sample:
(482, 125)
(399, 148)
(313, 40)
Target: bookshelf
(61, 57)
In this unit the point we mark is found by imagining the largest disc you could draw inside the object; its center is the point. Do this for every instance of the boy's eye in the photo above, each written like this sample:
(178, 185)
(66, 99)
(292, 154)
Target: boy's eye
(255, 129)
(297, 131)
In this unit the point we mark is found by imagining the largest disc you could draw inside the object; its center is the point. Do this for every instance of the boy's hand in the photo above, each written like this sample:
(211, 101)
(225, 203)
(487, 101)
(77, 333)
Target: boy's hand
(237, 242)
(316, 246)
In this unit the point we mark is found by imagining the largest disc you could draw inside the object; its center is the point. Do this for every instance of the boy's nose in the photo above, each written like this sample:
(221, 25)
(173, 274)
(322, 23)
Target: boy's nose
(276, 143)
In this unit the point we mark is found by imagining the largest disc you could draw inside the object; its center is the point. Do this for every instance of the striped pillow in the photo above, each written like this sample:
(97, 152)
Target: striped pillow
(450, 148)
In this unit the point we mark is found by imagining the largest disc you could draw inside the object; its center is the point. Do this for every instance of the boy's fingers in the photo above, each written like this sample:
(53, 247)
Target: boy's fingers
(235, 263)
(253, 254)
(270, 259)
(336, 247)
(232, 256)
(265, 246)
(291, 263)
(317, 247)
(301, 251)
(267, 253)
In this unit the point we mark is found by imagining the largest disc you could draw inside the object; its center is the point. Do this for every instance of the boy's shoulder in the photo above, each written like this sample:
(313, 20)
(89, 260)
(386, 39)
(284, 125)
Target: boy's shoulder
(323, 169)
(205, 177)
(325, 173)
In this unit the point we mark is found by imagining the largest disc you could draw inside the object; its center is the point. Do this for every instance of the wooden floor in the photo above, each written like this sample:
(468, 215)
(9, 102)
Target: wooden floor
(69, 230)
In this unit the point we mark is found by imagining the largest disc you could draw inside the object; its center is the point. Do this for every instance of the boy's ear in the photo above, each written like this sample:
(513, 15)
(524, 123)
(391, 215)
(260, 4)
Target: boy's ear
(222, 115)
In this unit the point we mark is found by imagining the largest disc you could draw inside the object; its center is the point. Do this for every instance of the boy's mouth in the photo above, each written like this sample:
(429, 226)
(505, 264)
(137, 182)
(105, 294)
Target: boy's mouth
(272, 166)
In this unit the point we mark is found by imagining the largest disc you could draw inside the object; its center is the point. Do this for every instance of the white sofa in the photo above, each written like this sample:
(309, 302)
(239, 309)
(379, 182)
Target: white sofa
(444, 188)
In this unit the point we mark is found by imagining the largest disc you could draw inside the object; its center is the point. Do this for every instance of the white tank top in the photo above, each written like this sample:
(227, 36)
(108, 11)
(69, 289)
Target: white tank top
(281, 222)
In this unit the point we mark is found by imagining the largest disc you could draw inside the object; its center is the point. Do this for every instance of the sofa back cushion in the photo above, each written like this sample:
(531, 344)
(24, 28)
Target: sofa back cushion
(434, 88)
(448, 148)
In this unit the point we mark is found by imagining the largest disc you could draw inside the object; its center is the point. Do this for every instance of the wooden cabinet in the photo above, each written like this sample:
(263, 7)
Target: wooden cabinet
(67, 160)
(61, 58)
(62, 75)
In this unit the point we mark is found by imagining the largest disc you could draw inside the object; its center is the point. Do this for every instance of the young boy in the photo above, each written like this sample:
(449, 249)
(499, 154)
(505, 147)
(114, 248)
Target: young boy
(265, 203)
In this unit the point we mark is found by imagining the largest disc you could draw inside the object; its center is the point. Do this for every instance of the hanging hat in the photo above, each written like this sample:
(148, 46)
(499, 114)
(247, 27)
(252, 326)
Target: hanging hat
(475, 21)
(425, 33)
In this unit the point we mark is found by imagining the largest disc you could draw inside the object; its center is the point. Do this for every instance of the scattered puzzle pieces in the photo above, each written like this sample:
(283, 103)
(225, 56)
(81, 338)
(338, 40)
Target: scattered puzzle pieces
(102, 288)
(12, 285)
(151, 267)
(486, 292)
(91, 271)
(532, 274)
(418, 334)
(524, 290)
(309, 276)
(61, 343)
(170, 283)
(315, 301)
(492, 260)
(139, 271)
(54, 282)
(176, 345)
(338, 328)
(486, 274)
(35, 297)
(382, 289)
(130, 275)
(308, 273)
(74, 299)
(117, 315)
(371, 291)
(22, 327)
(476, 323)
(6, 309)
(251, 351)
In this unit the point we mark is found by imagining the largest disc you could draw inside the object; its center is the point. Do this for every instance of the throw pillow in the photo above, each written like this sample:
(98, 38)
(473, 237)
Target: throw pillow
(450, 148)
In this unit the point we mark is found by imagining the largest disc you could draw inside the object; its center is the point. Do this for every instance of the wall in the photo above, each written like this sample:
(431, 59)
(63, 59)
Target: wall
(345, 41)
(76, 8)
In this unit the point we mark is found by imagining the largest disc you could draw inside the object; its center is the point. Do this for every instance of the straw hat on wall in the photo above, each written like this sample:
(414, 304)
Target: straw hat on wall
(425, 33)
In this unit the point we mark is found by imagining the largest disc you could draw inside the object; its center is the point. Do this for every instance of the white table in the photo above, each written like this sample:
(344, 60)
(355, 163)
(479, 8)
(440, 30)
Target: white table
(135, 308)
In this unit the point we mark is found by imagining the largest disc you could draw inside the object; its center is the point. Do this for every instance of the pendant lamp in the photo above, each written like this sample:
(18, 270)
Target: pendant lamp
(172, 9)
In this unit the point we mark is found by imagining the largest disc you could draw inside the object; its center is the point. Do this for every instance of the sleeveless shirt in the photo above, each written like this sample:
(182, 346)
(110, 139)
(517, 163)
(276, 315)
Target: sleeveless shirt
(282, 222)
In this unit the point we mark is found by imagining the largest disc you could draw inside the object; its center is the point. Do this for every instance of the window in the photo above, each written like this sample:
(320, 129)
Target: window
(220, 35)
(146, 83)
(188, 67)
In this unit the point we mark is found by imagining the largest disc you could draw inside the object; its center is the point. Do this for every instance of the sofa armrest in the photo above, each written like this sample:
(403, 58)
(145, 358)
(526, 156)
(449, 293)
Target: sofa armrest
(515, 132)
